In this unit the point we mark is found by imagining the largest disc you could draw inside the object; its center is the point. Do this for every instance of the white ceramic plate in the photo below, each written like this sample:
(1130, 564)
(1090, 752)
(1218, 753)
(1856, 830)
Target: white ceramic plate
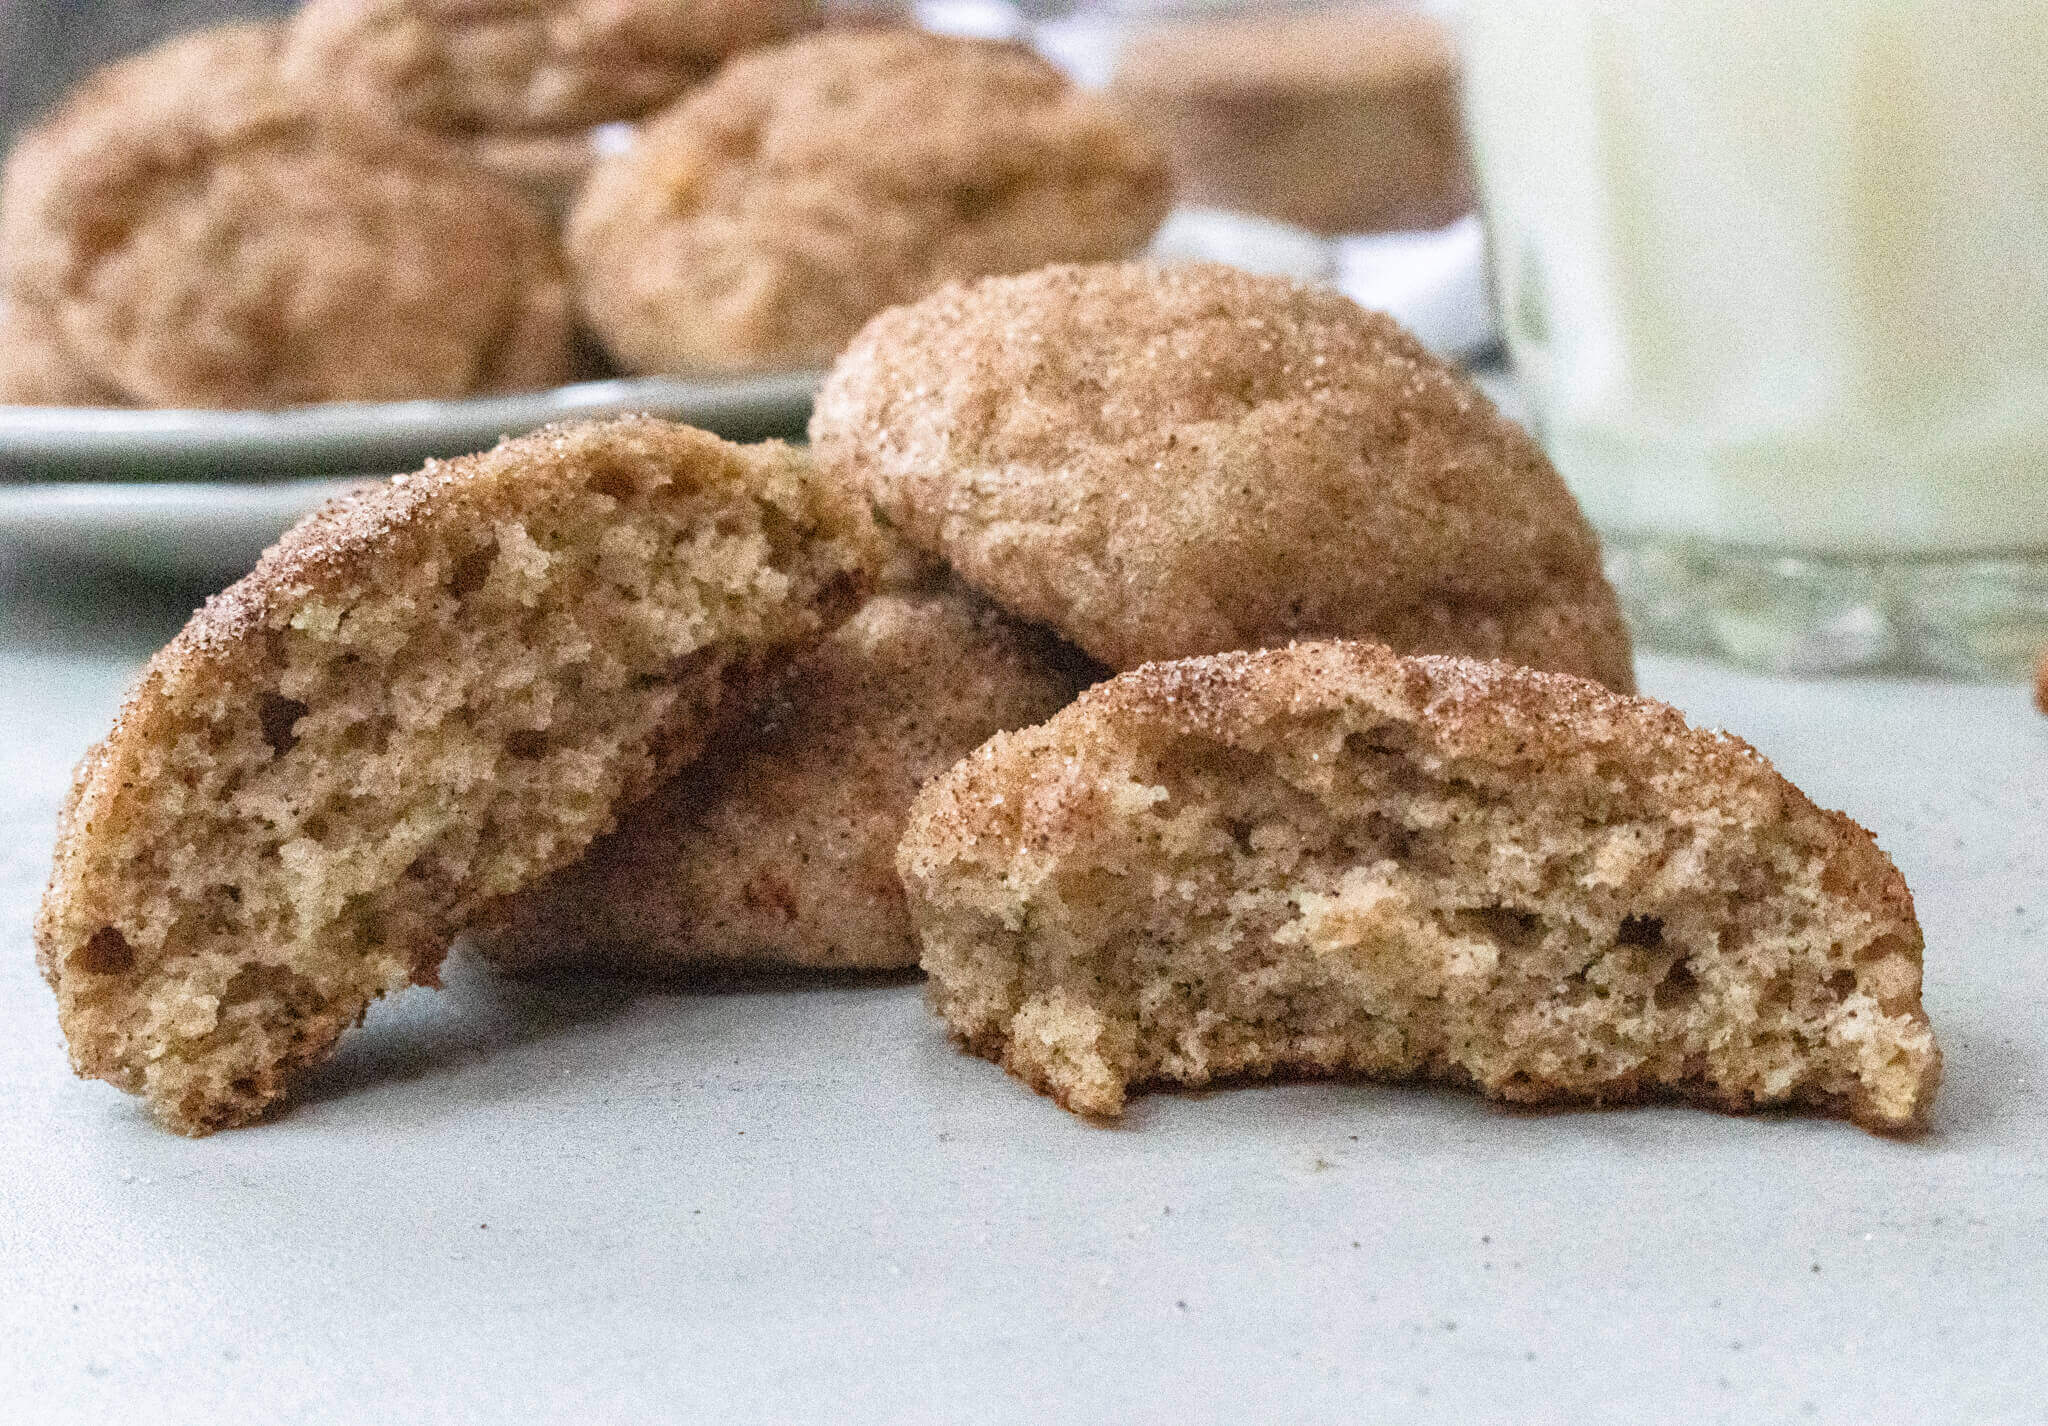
(48, 443)
(196, 495)
(200, 531)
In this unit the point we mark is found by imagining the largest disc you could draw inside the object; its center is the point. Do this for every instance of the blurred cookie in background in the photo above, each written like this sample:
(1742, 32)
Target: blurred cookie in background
(521, 66)
(35, 368)
(1340, 120)
(762, 219)
(520, 84)
(186, 230)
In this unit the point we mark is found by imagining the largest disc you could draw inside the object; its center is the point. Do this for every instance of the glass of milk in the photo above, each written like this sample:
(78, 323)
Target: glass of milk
(1774, 275)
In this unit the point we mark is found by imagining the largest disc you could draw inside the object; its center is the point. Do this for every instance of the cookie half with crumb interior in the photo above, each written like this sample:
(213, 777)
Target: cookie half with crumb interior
(1329, 859)
(778, 846)
(424, 698)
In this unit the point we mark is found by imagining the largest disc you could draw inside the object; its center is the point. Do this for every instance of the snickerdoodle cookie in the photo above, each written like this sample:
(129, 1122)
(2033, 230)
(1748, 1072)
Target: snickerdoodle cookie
(185, 232)
(424, 698)
(778, 845)
(1329, 859)
(763, 218)
(1158, 461)
(460, 66)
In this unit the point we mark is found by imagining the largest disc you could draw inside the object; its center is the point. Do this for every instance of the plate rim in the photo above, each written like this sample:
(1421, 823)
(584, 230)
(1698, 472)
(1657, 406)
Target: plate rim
(41, 444)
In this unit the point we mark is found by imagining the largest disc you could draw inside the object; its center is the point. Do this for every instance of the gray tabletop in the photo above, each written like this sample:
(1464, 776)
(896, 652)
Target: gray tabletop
(782, 1202)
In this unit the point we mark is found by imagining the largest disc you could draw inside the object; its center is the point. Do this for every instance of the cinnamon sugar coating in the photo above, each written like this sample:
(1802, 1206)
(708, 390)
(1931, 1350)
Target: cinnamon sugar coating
(1329, 859)
(1158, 461)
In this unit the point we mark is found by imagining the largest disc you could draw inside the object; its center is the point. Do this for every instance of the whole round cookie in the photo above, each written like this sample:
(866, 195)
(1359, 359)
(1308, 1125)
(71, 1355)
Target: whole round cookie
(425, 697)
(460, 66)
(763, 218)
(194, 235)
(1159, 461)
(778, 845)
(1330, 859)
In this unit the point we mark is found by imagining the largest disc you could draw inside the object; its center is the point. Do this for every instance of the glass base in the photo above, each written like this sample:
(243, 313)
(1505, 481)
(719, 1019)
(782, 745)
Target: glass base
(1972, 617)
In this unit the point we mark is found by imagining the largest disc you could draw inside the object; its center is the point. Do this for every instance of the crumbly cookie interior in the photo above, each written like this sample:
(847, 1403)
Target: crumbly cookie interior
(411, 747)
(1345, 900)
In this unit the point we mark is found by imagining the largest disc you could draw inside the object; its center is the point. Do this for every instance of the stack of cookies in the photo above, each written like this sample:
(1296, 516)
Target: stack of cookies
(1359, 786)
(359, 204)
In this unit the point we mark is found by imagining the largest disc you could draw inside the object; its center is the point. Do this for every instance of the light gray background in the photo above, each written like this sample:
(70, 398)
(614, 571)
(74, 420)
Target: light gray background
(784, 1203)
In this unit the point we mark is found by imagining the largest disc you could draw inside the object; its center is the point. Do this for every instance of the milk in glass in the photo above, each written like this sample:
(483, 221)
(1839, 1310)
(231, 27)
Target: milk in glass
(1774, 274)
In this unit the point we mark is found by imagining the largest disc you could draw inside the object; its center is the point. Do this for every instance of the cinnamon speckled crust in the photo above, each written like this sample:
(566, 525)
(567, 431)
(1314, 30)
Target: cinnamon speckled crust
(520, 65)
(193, 235)
(1159, 461)
(425, 697)
(1329, 859)
(778, 846)
(762, 219)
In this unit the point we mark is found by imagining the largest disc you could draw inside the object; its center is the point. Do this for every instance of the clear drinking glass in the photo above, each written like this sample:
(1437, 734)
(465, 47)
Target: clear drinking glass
(1774, 275)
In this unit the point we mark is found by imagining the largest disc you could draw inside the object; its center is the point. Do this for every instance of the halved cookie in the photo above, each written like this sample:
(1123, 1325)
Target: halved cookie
(424, 698)
(1328, 859)
(778, 846)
